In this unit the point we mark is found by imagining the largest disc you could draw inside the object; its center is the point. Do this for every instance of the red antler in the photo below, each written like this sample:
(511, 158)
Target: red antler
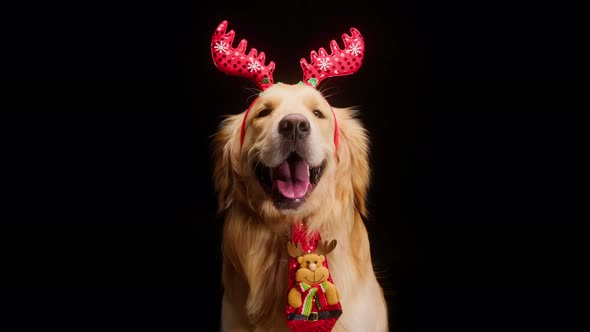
(235, 61)
(338, 63)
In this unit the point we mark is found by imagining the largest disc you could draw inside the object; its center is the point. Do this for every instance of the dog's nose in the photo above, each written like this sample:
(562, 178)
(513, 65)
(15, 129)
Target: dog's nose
(294, 126)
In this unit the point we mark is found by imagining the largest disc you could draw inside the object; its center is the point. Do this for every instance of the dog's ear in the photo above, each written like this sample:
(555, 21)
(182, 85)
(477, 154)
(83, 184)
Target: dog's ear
(353, 156)
(226, 153)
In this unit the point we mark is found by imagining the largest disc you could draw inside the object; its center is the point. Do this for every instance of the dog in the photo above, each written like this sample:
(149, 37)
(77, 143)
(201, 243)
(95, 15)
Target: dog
(291, 159)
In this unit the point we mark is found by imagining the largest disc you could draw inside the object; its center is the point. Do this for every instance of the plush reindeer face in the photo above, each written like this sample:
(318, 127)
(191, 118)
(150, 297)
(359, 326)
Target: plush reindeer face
(311, 269)
(311, 265)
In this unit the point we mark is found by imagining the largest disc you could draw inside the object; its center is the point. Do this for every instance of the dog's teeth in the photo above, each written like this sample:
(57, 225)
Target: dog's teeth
(308, 170)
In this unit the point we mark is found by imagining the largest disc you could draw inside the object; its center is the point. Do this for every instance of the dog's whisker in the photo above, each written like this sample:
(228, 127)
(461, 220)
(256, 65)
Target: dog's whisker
(255, 93)
(327, 96)
(254, 156)
(324, 89)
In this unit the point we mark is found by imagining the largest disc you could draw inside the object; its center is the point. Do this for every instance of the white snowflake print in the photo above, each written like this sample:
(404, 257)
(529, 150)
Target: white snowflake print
(254, 65)
(325, 64)
(221, 46)
(354, 49)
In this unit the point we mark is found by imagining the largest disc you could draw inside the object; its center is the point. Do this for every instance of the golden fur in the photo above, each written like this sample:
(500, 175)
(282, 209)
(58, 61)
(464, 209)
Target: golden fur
(256, 232)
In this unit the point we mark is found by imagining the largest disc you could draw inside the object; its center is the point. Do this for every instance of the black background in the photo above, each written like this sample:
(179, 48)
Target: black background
(477, 114)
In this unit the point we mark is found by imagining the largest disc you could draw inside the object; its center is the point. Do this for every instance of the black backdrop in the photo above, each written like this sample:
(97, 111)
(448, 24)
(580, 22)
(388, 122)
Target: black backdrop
(477, 113)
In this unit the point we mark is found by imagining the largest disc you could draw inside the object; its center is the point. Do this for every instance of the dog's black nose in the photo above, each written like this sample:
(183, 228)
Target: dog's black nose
(294, 126)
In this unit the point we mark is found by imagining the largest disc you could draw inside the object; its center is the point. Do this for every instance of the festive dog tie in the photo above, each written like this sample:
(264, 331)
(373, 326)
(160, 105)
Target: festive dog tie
(319, 307)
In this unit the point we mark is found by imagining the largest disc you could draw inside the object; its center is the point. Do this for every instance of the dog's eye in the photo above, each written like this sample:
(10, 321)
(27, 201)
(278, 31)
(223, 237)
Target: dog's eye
(263, 113)
(315, 262)
(308, 262)
(318, 114)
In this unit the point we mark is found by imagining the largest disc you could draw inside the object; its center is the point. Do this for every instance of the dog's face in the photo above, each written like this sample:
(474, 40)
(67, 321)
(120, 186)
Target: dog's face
(286, 164)
(288, 145)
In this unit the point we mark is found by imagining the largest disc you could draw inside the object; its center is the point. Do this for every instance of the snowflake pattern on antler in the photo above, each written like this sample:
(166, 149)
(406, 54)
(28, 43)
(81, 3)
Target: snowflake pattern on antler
(354, 49)
(221, 46)
(254, 65)
(324, 63)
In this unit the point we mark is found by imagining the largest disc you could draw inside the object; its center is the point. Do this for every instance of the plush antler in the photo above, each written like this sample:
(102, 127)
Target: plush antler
(338, 63)
(325, 248)
(294, 250)
(235, 61)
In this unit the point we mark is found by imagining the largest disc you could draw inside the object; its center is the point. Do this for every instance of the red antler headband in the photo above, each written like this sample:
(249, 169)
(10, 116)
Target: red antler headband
(235, 61)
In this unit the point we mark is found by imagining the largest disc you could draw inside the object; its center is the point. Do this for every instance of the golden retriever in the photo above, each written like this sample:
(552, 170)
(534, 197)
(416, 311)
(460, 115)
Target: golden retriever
(277, 164)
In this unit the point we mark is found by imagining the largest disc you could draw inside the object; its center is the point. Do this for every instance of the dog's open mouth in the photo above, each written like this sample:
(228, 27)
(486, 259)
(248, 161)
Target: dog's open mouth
(290, 182)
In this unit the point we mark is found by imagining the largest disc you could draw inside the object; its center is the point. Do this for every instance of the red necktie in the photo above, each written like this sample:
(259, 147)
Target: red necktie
(322, 317)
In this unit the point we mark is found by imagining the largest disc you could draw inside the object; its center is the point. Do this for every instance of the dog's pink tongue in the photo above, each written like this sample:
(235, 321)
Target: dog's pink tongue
(291, 178)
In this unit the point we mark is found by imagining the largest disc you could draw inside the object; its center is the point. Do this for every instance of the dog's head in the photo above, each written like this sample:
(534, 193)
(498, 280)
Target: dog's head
(290, 152)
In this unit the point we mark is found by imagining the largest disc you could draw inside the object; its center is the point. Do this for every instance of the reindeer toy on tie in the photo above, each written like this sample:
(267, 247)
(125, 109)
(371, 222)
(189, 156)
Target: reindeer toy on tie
(313, 290)
(312, 298)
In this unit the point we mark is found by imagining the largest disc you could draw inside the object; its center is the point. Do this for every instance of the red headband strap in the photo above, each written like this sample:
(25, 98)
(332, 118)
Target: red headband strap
(243, 129)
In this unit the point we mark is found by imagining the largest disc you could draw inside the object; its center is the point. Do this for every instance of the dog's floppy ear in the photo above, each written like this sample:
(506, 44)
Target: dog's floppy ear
(353, 156)
(226, 152)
